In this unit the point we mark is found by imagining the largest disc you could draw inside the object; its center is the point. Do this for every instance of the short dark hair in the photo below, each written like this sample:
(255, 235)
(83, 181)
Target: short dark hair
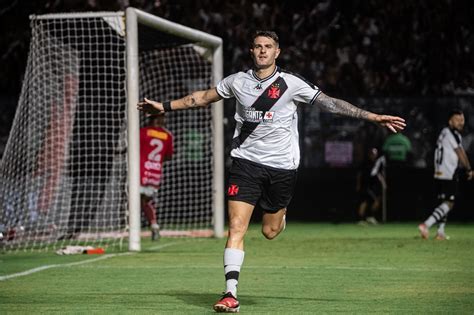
(152, 118)
(269, 34)
(455, 111)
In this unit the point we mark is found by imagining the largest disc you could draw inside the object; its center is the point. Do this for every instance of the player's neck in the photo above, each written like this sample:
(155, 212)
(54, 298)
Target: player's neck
(263, 73)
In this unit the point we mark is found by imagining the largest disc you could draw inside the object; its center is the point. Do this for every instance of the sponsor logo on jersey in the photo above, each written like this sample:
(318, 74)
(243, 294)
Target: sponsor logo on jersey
(150, 165)
(151, 174)
(252, 115)
(157, 134)
(151, 181)
(268, 117)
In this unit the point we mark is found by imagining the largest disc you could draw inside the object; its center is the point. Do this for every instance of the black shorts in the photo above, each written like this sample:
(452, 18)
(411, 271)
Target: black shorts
(253, 183)
(446, 190)
(370, 194)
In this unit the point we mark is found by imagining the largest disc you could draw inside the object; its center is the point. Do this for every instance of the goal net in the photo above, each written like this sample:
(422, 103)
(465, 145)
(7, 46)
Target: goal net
(67, 174)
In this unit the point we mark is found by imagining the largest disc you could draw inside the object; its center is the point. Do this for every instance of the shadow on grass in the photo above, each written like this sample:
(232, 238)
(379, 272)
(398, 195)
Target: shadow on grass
(206, 300)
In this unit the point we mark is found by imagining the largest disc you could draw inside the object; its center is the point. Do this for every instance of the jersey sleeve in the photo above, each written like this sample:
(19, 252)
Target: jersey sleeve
(224, 87)
(306, 92)
(455, 140)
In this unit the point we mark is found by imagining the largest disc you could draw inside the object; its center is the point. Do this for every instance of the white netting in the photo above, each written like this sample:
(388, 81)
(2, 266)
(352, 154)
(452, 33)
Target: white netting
(64, 171)
(184, 200)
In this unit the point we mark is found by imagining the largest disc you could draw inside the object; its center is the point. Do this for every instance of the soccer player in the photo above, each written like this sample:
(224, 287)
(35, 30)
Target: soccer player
(448, 154)
(265, 149)
(156, 146)
(370, 185)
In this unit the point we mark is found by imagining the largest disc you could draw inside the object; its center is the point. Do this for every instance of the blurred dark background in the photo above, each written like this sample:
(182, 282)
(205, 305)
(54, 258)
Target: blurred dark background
(409, 58)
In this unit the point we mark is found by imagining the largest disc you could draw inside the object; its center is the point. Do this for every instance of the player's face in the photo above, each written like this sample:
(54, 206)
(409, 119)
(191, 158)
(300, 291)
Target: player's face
(457, 122)
(264, 52)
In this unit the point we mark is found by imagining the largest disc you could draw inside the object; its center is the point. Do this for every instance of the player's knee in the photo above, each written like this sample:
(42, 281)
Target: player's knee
(237, 226)
(270, 232)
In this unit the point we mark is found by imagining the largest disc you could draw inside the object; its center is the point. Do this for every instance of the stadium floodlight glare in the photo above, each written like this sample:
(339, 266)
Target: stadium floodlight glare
(70, 170)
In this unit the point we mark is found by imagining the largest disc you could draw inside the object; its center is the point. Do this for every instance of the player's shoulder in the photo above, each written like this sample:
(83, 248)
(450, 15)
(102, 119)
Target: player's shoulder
(167, 131)
(445, 130)
(295, 77)
(243, 74)
(448, 132)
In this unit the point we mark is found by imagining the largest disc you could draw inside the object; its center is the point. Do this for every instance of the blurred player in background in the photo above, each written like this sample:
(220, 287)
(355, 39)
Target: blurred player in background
(265, 147)
(370, 186)
(156, 147)
(449, 154)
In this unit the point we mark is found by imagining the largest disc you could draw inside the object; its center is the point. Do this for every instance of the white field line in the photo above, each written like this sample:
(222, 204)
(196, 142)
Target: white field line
(82, 262)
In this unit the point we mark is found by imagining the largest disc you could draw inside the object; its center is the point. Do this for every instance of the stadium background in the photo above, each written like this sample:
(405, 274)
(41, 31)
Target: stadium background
(405, 58)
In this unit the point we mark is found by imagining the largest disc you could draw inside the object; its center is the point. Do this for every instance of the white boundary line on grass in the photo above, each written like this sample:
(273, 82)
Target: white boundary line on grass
(76, 263)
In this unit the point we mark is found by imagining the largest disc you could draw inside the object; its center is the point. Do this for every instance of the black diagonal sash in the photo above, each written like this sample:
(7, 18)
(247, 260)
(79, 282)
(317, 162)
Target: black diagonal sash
(263, 103)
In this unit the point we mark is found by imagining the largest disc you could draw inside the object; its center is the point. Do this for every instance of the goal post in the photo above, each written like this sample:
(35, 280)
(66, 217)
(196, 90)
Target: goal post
(70, 170)
(133, 18)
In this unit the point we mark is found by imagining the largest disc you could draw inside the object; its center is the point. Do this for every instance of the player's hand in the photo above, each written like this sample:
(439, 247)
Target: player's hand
(150, 107)
(394, 123)
(469, 174)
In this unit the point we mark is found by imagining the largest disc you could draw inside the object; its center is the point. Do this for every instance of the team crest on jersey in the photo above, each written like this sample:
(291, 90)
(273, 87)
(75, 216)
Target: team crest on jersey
(274, 91)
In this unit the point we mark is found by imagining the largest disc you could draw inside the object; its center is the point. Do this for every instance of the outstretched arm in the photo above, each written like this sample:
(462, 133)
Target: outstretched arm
(337, 106)
(195, 99)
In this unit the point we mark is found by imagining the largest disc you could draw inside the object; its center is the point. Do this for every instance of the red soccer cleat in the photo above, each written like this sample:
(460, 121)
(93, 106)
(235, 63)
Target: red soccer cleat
(424, 231)
(227, 304)
(441, 237)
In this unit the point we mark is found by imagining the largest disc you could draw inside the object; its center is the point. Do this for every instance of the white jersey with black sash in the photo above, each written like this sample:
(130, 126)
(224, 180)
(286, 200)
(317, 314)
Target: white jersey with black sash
(266, 129)
(446, 160)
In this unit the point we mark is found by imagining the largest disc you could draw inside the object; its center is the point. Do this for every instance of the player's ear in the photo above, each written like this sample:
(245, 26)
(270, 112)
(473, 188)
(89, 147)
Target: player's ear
(251, 54)
(277, 53)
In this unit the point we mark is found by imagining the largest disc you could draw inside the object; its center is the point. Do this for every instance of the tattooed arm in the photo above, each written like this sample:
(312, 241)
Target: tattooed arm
(195, 99)
(337, 106)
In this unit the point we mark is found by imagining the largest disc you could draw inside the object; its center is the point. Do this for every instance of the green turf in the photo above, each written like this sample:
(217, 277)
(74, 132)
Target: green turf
(309, 269)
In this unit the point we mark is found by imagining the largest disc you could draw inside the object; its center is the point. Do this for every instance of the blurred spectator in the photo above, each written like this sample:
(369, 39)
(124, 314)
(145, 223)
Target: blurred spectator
(353, 46)
(335, 36)
(397, 149)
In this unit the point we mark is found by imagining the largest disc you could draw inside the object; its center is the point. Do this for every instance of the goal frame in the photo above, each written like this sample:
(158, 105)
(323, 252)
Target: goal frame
(133, 17)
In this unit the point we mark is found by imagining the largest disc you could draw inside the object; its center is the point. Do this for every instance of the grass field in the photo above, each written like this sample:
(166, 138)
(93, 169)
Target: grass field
(309, 269)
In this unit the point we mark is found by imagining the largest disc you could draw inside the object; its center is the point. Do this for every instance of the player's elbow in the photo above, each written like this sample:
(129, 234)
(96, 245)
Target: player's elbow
(191, 101)
(196, 99)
